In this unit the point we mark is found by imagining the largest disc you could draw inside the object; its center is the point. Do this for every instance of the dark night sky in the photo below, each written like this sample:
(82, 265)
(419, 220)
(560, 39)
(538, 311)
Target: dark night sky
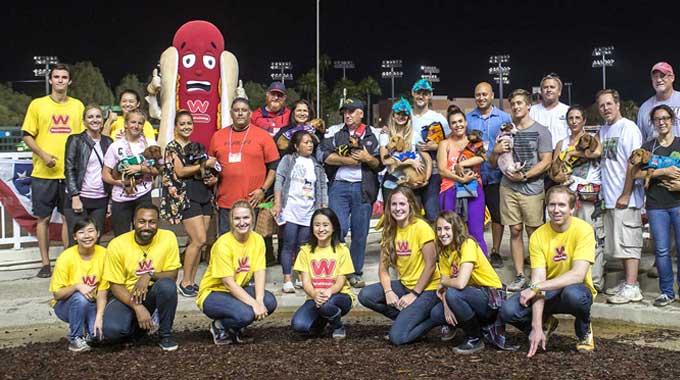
(457, 36)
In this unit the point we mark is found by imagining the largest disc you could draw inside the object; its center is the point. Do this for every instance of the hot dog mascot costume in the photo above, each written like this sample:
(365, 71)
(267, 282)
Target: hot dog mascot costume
(198, 75)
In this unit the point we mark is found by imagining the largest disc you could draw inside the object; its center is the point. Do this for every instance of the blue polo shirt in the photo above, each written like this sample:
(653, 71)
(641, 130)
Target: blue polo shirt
(489, 128)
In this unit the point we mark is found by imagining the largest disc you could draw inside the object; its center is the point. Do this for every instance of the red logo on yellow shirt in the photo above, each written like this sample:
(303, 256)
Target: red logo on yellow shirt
(323, 267)
(560, 254)
(403, 248)
(60, 124)
(145, 266)
(243, 265)
(90, 280)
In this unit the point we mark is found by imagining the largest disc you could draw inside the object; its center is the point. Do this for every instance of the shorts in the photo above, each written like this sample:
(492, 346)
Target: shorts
(198, 209)
(46, 194)
(623, 233)
(493, 200)
(517, 208)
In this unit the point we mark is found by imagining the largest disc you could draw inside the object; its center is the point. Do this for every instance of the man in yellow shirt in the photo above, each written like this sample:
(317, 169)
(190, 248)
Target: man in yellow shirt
(141, 268)
(48, 123)
(562, 253)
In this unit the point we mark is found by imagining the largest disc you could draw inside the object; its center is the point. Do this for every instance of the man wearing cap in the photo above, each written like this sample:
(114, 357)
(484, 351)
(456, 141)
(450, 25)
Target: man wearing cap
(662, 82)
(550, 112)
(489, 119)
(429, 128)
(353, 173)
(273, 115)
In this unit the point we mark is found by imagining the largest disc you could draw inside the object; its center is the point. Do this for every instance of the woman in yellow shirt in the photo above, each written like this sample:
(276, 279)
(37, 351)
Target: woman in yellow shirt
(407, 245)
(78, 288)
(225, 294)
(467, 279)
(114, 126)
(324, 264)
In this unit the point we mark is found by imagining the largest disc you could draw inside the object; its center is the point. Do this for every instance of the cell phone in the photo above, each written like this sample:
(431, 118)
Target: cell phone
(279, 220)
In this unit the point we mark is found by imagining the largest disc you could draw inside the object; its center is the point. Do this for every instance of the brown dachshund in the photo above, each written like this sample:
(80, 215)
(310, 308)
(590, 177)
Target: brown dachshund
(563, 166)
(319, 126)
(639, 158)
(405, 173)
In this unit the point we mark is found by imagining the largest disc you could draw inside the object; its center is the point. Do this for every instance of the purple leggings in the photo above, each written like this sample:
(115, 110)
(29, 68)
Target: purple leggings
(475, 213)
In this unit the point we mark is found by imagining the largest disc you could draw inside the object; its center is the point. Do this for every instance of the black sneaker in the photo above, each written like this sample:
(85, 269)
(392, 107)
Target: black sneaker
(339, 333)
(186, 291)
(168, 344)
(496, 260)
(45, 272)
(470, 346)
(220, 336)
(241, 336)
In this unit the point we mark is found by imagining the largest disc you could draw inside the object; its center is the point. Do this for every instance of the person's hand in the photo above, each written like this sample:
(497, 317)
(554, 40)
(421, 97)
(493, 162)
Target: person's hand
(321, 297)
(132, 169)
(428, 146)
(406, 301)
(141, 288)
(210, 162)
(108, 210)
(49, 160)
(448, 315)
(210, 180)
(98, 328)
(672, 172)
(76, 204)
(112, 116)
(86, 290)
(391, 298)
(514, 176)
(143, 317)
(536, 339)
(361, 155)
(502, 147)
(622, 201)
(260, 311)
(525, 296)
(671, 185)
(275, 210)
(417, 165)
(255, 197)
(469, 177)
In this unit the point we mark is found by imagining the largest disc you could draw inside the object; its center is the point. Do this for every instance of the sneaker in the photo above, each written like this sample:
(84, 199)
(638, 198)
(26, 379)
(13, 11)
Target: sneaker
(448, 333)
(78, 344)
(241, 337)
(518, 283)
(339, 333)
(616, 289)
(496, 260)
(357, 282)
(298, 284)
(663, 300)
(470, 346)
(587, 344)
(186, 291)
(549, 327)
(45, 272)
(288, 287)
(168, 344)
(219, 335)
(196, 288)
(627, 294)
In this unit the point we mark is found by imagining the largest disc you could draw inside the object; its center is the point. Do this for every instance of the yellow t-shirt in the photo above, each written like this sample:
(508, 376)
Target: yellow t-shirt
(70, 269)
(231, 258)
(555, 251)
(470, 252)
(51, 123)
(118, 129)
(127, 260)
(409, 243)
(324, 266)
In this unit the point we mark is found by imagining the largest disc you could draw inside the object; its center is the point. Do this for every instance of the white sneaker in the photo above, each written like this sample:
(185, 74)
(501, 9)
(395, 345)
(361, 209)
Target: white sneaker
(298, 284)
(616, 289)
(627, 294)
(288, 287)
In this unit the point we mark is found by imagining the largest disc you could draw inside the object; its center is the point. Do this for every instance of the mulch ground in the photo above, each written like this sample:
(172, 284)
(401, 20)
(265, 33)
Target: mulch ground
(278, 353)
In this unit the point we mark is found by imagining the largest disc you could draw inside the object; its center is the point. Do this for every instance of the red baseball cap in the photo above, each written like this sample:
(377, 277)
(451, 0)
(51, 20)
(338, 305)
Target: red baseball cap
(663, 67)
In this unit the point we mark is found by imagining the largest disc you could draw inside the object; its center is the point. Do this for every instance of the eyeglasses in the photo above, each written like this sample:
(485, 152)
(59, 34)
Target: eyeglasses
(664, 119)
(550, 76)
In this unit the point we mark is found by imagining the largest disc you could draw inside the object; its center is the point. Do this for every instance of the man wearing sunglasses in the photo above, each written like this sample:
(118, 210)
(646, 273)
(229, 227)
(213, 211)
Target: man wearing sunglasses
(662, 81)
(550, 112)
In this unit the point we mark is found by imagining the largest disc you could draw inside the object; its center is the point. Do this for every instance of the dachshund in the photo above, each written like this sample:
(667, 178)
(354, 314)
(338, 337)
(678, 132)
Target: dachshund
(151, 157)
(405, 173)
(648, 161)
(317, 127)
(195, 154)
(562, 168)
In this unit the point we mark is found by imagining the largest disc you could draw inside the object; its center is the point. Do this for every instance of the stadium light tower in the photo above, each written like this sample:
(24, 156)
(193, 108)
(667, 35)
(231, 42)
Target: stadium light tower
(344, 65)
(501, 73)
(430, 73)
(601, 53)
(45, 61)
(280, 73)
(391, 74)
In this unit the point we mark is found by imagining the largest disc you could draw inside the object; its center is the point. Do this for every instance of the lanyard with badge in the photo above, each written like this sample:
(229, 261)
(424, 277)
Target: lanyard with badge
(236, 157)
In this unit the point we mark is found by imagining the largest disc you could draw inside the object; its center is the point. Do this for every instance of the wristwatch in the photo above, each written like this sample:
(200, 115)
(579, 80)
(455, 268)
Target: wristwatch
(534, 288)
(524, 177)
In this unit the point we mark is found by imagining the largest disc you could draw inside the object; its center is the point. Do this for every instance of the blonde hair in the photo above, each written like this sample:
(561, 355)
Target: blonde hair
(406, 131)
(388, 251)
(134, 112)
(241, 204)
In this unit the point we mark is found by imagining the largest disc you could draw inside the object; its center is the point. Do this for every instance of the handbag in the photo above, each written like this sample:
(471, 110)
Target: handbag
(588, 192)
(265, 224)
(466, 190)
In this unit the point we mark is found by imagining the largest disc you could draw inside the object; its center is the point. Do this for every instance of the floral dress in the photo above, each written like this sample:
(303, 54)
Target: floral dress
(174, 198)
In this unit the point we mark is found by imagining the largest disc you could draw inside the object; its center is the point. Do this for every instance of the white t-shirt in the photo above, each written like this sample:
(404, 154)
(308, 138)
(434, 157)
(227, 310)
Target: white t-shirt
(119, 150)
(645, 122)
(586, 173)
(300, 203)
(555, 119)
(425, 120)
(618, 142)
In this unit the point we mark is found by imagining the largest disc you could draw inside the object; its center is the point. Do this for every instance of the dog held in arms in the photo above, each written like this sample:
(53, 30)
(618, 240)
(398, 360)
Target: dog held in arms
(645, 160)
(562, 168)
(506, 162)
(405, 173)
(151, 157)
(195, 154)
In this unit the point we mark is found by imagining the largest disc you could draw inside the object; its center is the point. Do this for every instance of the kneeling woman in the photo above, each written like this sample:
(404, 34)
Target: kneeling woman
(225, 294)
(324, 264)
(470, 290)
(408, 245)
(78, 288)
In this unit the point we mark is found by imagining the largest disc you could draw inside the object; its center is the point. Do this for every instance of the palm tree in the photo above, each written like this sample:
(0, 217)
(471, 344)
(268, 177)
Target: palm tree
(369, 86)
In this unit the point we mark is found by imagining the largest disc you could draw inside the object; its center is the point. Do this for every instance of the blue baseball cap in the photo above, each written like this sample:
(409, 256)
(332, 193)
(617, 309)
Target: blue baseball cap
(422, 84)
(402, 106)
(277, 86)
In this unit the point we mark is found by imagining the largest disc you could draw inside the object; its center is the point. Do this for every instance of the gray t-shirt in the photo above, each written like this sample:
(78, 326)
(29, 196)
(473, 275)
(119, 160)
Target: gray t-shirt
(528, 143)
(645, 123)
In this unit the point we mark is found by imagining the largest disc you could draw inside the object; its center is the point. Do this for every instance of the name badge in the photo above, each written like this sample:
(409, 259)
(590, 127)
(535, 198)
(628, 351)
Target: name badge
(235, 157)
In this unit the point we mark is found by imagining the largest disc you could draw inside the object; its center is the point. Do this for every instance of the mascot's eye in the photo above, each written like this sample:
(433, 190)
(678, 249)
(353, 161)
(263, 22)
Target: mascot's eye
(209, 62)
(189, 60)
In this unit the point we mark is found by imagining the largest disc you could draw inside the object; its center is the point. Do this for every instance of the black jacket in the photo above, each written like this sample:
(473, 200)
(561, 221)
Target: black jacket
(78, 150)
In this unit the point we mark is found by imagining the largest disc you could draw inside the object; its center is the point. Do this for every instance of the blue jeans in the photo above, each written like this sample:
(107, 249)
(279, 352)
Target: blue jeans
(224, 222)
(232, 313)
(574, 299)
(470, 302)
(659, 221)
(293, 236)
(120, 320)
(308, 314)
(78, 312)
(429, 196)
(347, 201)
(410, 323)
